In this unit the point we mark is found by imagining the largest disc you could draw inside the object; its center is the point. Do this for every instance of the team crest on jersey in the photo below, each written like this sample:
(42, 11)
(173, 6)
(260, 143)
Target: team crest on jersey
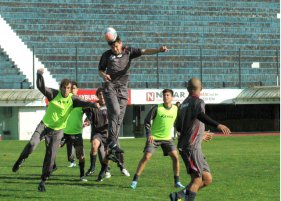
(64, 102)
(112, 57)
(166, 116)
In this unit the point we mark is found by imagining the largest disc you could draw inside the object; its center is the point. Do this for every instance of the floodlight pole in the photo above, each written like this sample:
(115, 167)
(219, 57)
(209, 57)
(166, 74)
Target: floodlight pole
(277, 68)
(157, 57)
(239, 65)
(33, 66)
(76, 64)
(201, 66)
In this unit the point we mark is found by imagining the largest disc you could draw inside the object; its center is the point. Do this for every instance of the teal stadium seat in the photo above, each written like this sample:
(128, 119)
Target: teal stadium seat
(10, 76)
(67, 34)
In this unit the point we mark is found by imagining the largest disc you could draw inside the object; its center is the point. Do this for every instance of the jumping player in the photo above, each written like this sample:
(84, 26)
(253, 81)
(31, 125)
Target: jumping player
(159, 134)
(114, 69)
(51, 127)
(190, 124)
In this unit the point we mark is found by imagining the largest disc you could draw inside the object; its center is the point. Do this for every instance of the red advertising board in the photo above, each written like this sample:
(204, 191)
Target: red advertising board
(90, 95)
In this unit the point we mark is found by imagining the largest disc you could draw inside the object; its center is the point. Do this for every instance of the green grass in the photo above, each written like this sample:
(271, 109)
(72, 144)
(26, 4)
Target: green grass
(244, 168)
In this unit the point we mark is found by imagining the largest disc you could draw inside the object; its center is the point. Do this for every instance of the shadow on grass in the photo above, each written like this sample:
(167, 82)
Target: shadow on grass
(52, 181)
(3, 196)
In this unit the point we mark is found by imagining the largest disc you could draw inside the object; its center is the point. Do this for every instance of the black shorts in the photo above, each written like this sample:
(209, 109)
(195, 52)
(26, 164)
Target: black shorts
(166, 145)
(195, 162)
(77, 142)
(102, 137)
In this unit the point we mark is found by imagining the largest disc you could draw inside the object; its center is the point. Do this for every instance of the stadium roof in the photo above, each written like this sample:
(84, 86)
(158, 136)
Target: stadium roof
(21, 97)
(259, 95)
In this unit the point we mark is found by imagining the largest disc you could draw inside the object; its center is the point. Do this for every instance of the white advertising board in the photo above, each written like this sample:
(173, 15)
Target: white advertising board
(210, 96)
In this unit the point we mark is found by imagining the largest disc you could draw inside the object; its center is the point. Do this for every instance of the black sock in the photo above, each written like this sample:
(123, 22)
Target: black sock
(120, 163)
(176, 179)
(104, 167)
(136, 178)
(191, 195)
(81, 166)
(93, 161)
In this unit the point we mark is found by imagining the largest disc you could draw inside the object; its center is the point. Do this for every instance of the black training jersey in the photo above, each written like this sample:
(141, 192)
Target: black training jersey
(117, 66)
(99, 120)
(190, 128)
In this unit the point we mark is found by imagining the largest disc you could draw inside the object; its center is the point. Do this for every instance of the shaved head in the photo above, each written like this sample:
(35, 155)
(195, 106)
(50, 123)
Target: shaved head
(194, 85)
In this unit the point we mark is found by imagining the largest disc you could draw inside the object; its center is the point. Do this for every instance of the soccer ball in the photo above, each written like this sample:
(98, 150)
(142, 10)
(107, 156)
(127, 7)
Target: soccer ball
(110, 34)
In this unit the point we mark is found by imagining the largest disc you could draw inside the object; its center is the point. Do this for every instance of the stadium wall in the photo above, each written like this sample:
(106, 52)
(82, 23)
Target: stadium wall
(18, 120)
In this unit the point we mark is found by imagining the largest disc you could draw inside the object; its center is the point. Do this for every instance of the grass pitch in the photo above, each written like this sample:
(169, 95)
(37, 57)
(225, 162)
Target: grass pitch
(244, 168)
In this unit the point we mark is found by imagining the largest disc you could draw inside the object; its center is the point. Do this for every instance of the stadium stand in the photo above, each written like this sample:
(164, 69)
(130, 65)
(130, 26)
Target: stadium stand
(10, 76)
(204, 37)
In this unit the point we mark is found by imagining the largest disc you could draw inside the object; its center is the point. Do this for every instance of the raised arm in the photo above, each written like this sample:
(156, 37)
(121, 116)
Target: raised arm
(154, 51)
(40, 83)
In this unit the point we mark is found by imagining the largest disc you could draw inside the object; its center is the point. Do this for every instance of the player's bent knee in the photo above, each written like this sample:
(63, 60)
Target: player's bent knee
(174, 156)
(208, 181)
(146, 157)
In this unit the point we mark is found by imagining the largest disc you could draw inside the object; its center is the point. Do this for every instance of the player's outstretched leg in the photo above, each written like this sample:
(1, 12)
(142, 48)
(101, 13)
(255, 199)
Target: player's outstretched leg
(17, 165)
(24, 154)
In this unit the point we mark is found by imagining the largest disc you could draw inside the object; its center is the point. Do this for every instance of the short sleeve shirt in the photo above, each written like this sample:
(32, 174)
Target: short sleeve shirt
(117, 66)
(99, 120)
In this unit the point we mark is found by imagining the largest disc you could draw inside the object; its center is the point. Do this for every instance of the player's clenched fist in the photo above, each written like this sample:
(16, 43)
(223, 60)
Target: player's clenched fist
(40, 71)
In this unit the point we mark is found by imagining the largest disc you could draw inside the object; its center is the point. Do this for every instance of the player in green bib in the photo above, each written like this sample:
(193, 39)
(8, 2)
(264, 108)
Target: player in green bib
(73, 133)
(158, 133)
(61, 103)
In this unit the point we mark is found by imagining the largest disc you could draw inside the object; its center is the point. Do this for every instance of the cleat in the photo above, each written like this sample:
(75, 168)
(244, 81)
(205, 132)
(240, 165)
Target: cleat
(178, 196)
(41, 187)
(179, 185)
(72, 164)
(101, 176)
(90, 172)
(125, 172)
(173, 196)
(107, 175)
(134, 184)
(99, 179)
(17, 165)
(83, 179)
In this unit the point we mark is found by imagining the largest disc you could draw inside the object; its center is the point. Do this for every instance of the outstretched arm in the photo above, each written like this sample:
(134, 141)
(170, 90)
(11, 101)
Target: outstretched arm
(154, 51)
(79, 102)
(208, 120)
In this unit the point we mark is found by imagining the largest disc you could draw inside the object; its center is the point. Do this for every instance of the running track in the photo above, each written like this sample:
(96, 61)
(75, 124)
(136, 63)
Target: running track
(251, 134)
